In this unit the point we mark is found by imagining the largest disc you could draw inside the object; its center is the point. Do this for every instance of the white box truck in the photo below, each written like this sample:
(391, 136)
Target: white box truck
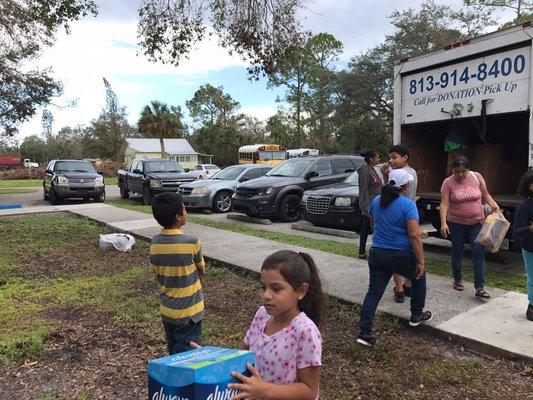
(476, 95)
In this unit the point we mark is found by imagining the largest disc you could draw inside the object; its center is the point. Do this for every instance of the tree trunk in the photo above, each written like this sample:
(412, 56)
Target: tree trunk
(162, 143)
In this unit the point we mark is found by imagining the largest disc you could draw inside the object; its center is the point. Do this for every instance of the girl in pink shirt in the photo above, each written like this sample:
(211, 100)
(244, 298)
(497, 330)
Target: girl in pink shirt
(284, 334)
(461, 216)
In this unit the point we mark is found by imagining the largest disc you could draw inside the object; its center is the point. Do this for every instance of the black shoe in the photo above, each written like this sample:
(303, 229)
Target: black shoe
(420, 319)
(363, 257)
(529, 312)
(399, 297)
(366, 340)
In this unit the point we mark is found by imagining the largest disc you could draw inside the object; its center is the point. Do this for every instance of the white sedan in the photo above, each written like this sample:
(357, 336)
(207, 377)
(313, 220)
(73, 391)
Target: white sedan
(204, 171)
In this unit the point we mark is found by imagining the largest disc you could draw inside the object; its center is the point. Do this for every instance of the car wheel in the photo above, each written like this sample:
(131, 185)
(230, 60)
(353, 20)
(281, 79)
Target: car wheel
(101, 198)
(53, 197)
(289, 208)
(45, 193)
(147, 197)
(123, 192)
(222, 202)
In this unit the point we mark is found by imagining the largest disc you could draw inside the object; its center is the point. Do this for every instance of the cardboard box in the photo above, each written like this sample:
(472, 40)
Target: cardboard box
(200, 374)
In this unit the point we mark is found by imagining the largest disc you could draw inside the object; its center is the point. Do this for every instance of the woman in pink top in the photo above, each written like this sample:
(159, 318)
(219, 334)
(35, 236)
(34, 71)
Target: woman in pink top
(462, 215)
(284, 334)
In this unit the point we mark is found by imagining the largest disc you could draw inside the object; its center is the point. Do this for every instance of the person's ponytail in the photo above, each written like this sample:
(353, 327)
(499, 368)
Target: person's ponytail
(313, 302)
(388, 194)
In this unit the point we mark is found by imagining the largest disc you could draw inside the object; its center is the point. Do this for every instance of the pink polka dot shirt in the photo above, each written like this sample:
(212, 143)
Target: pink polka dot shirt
(278, 357)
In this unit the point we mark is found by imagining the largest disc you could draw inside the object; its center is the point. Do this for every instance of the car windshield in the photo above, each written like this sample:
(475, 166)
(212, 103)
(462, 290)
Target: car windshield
(294, 167)
(229, 174)
(74, 166)
(163, 166)
(352, 178)
(211, 167)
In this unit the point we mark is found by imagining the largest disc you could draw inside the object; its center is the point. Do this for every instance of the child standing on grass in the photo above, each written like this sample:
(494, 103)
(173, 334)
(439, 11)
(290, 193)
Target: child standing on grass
(177, 261)
(284, 334)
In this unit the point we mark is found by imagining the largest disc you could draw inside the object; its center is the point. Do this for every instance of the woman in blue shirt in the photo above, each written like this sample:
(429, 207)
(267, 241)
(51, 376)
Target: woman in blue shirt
(396, 249)
(523, 231)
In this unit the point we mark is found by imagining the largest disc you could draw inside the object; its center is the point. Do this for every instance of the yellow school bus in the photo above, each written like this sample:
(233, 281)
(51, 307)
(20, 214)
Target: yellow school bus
(272, 154)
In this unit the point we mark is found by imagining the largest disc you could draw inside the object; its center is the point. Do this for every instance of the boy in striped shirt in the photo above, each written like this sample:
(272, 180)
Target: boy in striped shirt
(177, 261)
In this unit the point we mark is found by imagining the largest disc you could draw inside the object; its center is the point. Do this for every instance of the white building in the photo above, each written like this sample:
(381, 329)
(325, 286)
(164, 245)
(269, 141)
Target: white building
(177, 149)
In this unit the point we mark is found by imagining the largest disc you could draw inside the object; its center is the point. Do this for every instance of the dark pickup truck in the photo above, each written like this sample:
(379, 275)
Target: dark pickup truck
(149, 177)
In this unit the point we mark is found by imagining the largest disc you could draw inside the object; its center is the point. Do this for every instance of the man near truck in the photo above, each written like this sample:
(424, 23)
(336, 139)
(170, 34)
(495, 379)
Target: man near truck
(399, 159)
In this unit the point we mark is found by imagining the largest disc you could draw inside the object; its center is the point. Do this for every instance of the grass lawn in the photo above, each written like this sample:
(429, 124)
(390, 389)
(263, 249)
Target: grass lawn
(9, 190)
(492, 278)
(110, 181)
(79, 323)
(20, 183)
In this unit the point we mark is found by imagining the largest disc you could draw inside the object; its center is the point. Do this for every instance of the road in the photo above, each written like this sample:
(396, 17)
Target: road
(36, 198)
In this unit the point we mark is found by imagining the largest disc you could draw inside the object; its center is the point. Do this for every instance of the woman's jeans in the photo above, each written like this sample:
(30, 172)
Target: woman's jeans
(363, 236)
(528, 261)
(382, 264)
(459, 234)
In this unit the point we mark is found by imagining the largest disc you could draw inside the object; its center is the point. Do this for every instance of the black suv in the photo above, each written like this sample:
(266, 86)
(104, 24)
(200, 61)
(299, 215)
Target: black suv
(278, 194)
(67, 179)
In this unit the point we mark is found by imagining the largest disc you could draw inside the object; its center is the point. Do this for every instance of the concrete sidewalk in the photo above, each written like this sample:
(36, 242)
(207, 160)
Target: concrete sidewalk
(495, 326)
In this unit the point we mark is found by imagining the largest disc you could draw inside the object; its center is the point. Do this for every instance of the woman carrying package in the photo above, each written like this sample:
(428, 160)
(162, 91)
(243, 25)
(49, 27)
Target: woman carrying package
(396, 249)
(461, 217)
(523, 231)
(369, 187)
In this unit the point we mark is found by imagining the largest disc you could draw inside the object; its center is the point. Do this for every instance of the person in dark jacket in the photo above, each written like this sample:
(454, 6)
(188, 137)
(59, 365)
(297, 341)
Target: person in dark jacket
(369, 187)
(523, 231)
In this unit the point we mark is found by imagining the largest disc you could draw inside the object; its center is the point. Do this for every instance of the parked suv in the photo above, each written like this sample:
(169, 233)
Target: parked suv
(278, 194)
(66, 179)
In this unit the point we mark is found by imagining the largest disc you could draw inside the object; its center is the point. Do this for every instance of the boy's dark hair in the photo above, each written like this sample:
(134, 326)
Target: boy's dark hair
(461, 161)
(368, 154)
(297, 269)
(400, 149)
(523, 185)
(165, 206)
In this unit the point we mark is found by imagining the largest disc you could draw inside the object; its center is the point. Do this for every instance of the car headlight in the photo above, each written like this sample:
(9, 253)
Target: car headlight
(200, 190)
(304, 198)
(99, 181)
(62, 180)
(154, 183)
(268, 190)
(343, 201)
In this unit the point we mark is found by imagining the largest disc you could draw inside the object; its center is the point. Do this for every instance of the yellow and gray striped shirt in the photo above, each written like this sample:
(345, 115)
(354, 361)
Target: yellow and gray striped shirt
(176, 259)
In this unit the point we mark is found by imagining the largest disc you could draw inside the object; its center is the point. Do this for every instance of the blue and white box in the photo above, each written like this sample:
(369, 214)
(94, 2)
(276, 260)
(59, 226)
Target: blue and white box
(200, 374)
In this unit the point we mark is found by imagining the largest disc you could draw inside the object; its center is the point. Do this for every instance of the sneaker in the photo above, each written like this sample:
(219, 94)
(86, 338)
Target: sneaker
(529, 312)
(366, 340)
(399, 297)
(420, 319)
(363, 257)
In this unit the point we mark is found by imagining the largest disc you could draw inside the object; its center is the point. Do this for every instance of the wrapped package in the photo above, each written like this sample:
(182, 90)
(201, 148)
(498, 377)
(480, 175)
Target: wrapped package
(493, 231)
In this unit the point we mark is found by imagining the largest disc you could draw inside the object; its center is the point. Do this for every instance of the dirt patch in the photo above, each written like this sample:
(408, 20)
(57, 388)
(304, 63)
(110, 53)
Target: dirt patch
(93, 355)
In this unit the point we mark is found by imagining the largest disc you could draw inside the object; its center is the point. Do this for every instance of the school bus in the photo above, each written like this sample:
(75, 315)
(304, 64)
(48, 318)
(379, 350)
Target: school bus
(262, 154)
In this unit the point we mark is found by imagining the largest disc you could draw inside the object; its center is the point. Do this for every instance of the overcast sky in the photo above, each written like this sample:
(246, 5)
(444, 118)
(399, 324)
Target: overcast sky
(106, 46)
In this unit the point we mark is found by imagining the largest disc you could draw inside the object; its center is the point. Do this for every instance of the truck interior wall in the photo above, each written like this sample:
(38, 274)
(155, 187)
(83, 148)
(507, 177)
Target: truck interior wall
(501, 160)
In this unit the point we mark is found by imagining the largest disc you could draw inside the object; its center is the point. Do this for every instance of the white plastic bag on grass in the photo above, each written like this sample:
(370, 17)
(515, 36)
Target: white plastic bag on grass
(118, 241)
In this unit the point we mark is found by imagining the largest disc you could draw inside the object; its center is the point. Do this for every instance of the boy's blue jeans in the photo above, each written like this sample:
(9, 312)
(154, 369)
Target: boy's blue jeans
(179, 336)
(459, 234)
(528, 261)
(382, 264)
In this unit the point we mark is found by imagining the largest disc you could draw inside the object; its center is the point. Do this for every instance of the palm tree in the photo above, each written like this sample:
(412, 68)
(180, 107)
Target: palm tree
(160, 121)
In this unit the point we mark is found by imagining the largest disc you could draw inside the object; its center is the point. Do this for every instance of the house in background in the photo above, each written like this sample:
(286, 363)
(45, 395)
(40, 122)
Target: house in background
(176, 149)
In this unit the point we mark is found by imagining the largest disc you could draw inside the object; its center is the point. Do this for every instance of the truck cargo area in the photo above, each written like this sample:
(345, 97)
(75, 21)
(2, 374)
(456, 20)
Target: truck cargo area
(497, 148)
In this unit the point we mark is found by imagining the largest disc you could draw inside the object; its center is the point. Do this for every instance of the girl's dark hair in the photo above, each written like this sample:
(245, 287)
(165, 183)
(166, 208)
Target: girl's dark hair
(368, 154)
(297, 269)
(461, 161)
(388, 194)
(523, 185)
